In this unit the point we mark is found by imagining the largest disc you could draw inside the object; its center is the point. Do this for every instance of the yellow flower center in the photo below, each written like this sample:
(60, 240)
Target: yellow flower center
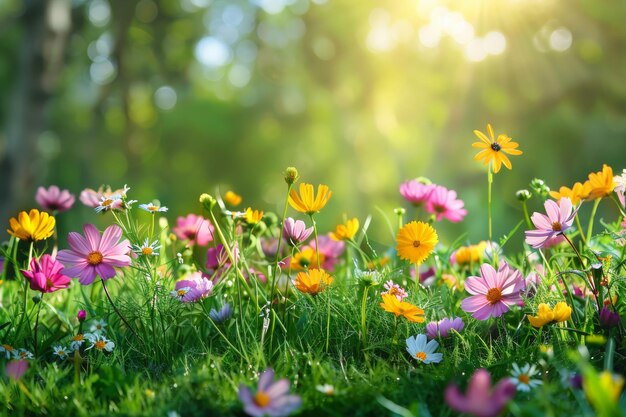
(106, 203)
(100, 344)
(181, 292)
(262, 399)
(421, 356)
(23, 354)
(153, 208)
(78, 338)
(416, 243)
(94, 258)
(8, 348)
(146, 251)
(556, 226)
(524, 379)
(494, 295)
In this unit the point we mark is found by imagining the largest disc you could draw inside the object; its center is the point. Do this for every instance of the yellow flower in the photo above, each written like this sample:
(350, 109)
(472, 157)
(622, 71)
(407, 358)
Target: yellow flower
(313, 281)
(402, 308)
(493, 150)
(32, 226)
(305, 258)
(601, 183)
(231, 198)
(470, 254)
(576, 193)
(346, 231)
(452, 282)
(416, 241)
(253, 216)
(546, 315)
(307, 202)
(612, 384)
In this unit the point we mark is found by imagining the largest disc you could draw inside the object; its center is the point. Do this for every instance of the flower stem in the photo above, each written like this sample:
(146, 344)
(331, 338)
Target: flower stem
(364, 316)
(526, 216)
(580, 229)
(490, 229)
(417, 277)
(327, 319)
(591, 218)
(609, 354)
(37, 324)
(106, 291)
(317, 244)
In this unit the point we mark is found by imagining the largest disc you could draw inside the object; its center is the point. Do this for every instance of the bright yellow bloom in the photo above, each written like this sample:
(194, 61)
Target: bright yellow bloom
(32, 226)
(466, 255)
(253, 216)
(576, 193)
(546, 315)
(313, 281)
(346, 231)
(601, 183)
(493, 150)
(307, 202)
(603, 389)
(305, 258)
(231, 198)
(416, 241)
(402, 308)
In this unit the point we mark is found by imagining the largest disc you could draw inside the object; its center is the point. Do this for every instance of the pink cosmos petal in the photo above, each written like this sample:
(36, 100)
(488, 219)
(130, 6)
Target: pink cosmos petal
(541, 221)
(552, 209)
(266, 379)
(16, 369)
(93, 236)
(278, 388)
(88, 275)
(565, 208)
(69, 257)
(76, 270)
(78, 243)
(484, 312)
(109, 238)
(105, 271)
(489, 275)
(118, 260)
(474, 303)
(122, 248)
(475, 285)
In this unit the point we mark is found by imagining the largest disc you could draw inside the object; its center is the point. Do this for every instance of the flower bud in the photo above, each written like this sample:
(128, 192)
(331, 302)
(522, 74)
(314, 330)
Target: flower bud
(540, 187)
(399, 211)
(208, 201)
(291, 175)
(523, 195)
(81, 316)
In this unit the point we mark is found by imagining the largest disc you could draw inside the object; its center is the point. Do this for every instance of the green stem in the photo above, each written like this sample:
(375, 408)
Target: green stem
(106, 291)
(216, 327)
(317, 245)
(490, 228)
(580, 229)
(591, 218)
(609, 354)
(364, 316)
(327, 319)
(37, 324)
(417, 277)
(526, 216)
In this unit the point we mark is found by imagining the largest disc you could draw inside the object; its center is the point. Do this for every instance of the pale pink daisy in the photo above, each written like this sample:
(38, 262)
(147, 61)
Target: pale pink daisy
(54, 199)
(560, 217)
(192, 288)
(443, 203)
(416, 192)
(195, 229)
(295, 231)
(394, 289)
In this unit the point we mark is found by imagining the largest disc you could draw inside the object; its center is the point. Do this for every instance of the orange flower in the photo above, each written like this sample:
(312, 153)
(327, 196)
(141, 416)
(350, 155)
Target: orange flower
(313, 281)
(34, 225)
(402, 308)
(576, 193)
(601, 183)
(305, 258)
(416, 241)
(493, 150)
(346, 231)
(253, 216)
(307, 202)
(231, 198)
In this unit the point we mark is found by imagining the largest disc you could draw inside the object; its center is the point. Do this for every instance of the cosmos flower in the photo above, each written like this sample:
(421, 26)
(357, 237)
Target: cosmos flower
(346, 231)
(53, 199)
(559, 218)
(271, 398)
(601, 183)
(195, 229)
(416, 192)
(402, 308)
(480, 399)
(395, 290)
(423, 351)
(34, 225)
(16, 369)
(443, 327)
(313, 281)
(193, 287)
(443, 203)
(494, 150)
(45, 275)
(620, 187)
(416, 241)
(307, 202)
(295, 231)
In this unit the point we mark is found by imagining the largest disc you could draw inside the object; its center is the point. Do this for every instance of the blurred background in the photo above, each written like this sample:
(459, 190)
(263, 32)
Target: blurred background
(179, 97)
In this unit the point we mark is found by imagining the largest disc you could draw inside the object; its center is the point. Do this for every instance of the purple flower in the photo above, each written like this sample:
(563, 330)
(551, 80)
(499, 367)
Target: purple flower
(16, 368)
(443, 203)
(194, 287)
(216, 258)
(221, 315)
(196, 229)
(271, 398)
(480, 399)
(94, 255)
(45, 275)
(442, 327)
(416, 192)
(54, 199)
(81, 316)
(295, 231)
(331, 251)
(559, 218)
(608, 318)
(269, 246)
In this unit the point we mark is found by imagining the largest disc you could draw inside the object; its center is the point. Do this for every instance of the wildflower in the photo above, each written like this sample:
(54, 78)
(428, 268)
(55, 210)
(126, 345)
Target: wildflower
(367, 278)
(523, 195)
(207, 201)
(7, 350)
(45, 275)
(153, 208)
(98, 327)
(195, 229)
(291, 175)
(271, 398)
(147, 249)
(466, 255)
(560, 217)
(253, 216)
(601, 183)
(609, 318)
(522, 377)
(295, 231)
(480, 399)
(81, 316)
(306, 201)
(313, 281)
(395, 290)
(99, 342)
(92, 198)
(77, 341)
(113, 202)
(94, 255)
(218, 258)
(61, 352)
(221, 315)
(231, 198)
(422, 351)
(53, 199)
(493, 292)
(546, 315)
(346, 231)
(22, 354)
(493, 150)
(620, 187)
(577, 193)
(416, 191)
(416, 241)
(443, 203)
(16, 369)
(326, 389)
(192, 288)
(330, 251)
(34, 225)
(402, 308)
(603, 390)
(305, 258)
(442, 327)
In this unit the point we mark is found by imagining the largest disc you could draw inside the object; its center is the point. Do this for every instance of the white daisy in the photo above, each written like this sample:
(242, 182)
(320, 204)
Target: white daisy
(77, 341)
(98, 327)
(99, 342)
(522, 377)
(113, 202)
(180, 293)
(147, 249)
(7, 350)
(61, 351)
(153, 208)
(326, 389)
(22, 354)
(418, 348)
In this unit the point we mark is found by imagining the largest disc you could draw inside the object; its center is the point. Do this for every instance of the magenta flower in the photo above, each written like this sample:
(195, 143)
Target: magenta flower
(331, 249)
(416, 192)
(295, 231)
(94, 255)
(45, 275)
(196, 229)
(560, 217)
(443, 203)
(271, 398)
(493, 292)
(92, 198)
(81, 316)
(194, 287)
(54, 199)
(16, 369)
(442, 327)
(395, 290)
(216, 257)
(480, 399)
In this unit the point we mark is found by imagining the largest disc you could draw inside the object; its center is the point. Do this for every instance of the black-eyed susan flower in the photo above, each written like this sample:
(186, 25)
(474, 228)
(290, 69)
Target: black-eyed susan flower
(232, 198)
(416, 241)
(306, 201)
(313, 281)
(577, 193)
(494, 150)
(346, 231)
(601, 183)
(34, 225)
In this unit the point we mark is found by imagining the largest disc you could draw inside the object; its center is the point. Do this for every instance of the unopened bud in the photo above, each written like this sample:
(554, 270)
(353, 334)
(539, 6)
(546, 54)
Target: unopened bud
(291, 175)
(523, 195)
(208, 201)
(81, 316)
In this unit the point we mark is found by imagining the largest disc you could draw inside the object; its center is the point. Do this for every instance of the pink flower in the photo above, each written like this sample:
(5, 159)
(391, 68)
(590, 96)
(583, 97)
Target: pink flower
(442, 327)
(493, 292)
(92, 198)
(54, 199)
(94, 255)
(480, 399)
(45, 275)
(331, 249)
(295, 231)
(196, 229)
(194, 287)
(395, 289)
(15, 369)
(416, 192)
(271, 398)
(560, 217)
(443, 203)
(81, 316)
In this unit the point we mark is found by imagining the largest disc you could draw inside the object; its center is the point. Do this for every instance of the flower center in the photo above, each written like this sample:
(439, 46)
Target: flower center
(100, 344)
(496, 146)
(153, 208)
(420, 356)
(94, 258)
(61, 353)
(106, 203)
(556, 226)
(524, 379)
(146, 251)
(23, 354)
(78, 338)
(416, 243)
(494, 295)
(181, 292)
(262, 399)
(8, 348)
(49, 283)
